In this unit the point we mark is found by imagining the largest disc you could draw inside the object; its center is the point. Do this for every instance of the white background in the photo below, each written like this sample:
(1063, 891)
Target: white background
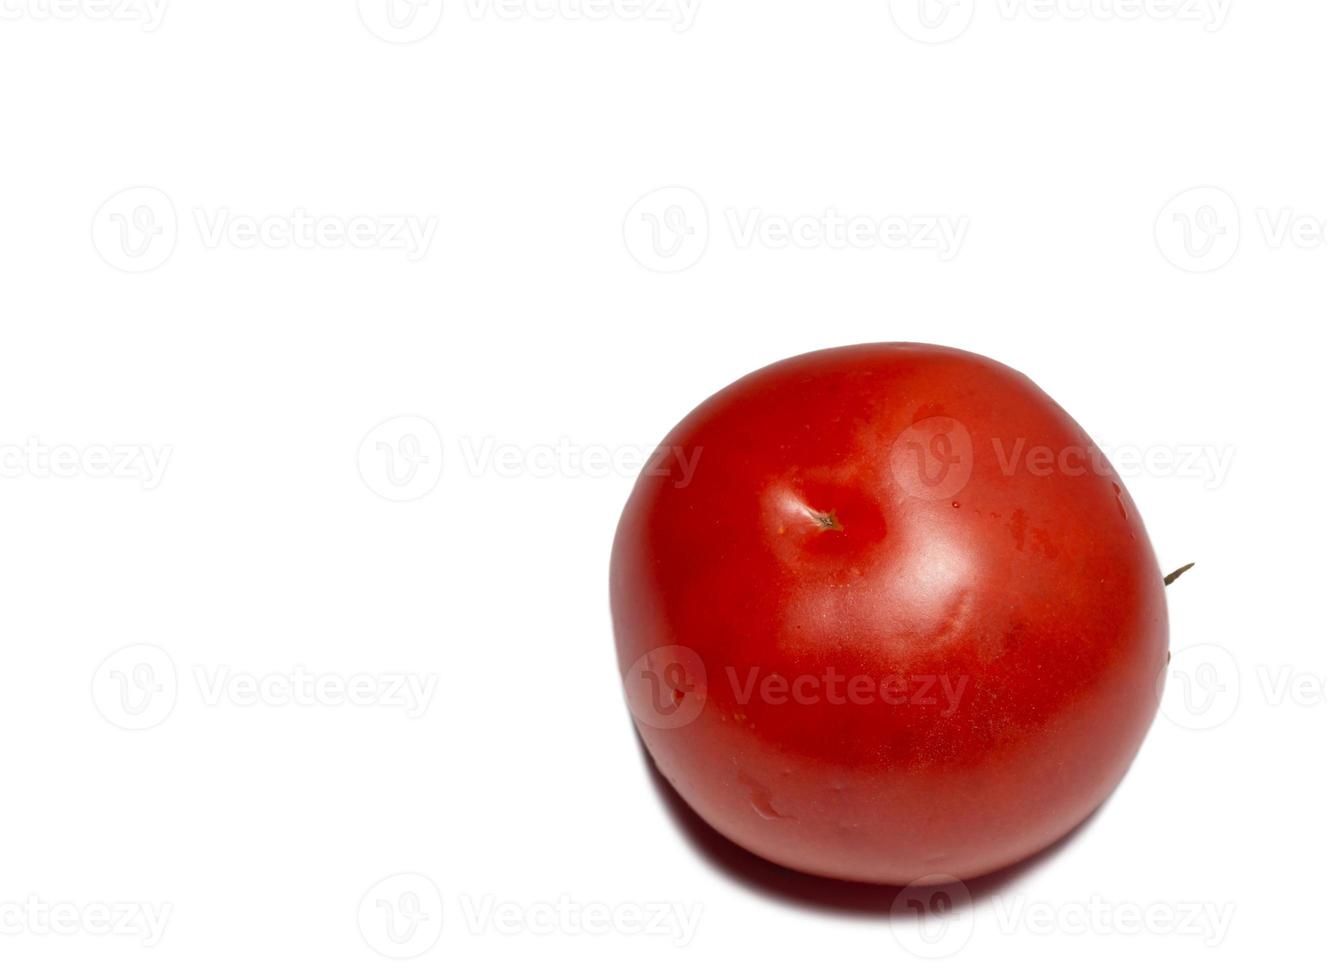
(534, 346)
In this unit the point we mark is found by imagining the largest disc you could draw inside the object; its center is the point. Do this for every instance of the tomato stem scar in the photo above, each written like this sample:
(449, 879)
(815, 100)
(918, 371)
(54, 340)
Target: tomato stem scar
(827, 522)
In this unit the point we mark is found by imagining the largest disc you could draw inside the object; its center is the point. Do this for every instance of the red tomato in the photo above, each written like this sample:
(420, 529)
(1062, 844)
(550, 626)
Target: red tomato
(886, 612)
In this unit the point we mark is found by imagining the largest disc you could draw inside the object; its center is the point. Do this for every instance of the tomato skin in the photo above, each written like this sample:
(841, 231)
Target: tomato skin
(876, 635)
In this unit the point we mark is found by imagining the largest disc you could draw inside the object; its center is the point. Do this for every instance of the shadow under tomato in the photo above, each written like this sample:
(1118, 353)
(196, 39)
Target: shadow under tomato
(826, 895)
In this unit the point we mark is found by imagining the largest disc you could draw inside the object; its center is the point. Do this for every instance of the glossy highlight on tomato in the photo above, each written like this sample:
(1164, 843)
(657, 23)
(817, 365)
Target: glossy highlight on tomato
(901, 618)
